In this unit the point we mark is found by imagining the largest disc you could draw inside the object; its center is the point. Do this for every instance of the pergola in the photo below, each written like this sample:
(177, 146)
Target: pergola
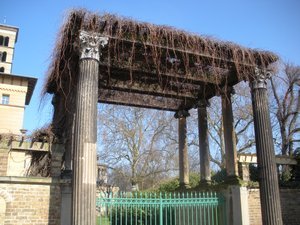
(119, 61)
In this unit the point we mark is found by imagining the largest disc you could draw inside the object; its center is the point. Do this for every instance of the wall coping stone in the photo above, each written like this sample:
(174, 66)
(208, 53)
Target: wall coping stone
(33, 180)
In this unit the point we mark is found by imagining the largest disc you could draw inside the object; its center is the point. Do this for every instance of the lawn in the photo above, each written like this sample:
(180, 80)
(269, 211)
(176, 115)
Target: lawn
(102, 220)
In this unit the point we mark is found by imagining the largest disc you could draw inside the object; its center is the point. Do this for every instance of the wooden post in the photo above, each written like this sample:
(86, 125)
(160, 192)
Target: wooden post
(268, 180)
(229, 135)
(203, 143)
(183, 152)
(85, 132)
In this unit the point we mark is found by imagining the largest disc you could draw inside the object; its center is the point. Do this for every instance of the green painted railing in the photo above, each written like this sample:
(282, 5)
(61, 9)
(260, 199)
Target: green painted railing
(161, 209)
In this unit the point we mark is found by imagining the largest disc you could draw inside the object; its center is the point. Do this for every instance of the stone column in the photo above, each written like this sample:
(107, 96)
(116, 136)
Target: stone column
(85, 132)
(56, 159)
(183, 152)
(69, 143)
(63, 127)
(229, 134)
(268, 180)
(203, 143)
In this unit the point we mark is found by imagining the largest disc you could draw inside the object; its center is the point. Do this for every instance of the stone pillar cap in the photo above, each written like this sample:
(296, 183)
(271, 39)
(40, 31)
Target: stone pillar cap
(181, 113)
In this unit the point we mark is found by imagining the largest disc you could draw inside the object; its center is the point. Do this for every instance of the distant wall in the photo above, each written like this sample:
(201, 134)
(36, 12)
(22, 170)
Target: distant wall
(30, 201)
(290, 206)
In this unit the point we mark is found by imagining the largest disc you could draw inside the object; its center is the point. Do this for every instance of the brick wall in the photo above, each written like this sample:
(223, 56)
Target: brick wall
(254, 207)
(33, 201)
(290, 206)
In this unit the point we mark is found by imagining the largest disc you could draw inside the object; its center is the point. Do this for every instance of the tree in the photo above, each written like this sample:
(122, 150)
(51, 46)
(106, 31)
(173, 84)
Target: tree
(243, 124)
(285, 88)
(141, 144)
(134, 143)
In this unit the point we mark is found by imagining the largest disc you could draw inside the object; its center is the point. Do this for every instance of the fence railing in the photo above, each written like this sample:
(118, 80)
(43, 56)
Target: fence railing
(161, 209)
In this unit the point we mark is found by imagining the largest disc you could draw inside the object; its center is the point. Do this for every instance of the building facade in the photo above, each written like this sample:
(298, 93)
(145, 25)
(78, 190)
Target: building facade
(15, 90)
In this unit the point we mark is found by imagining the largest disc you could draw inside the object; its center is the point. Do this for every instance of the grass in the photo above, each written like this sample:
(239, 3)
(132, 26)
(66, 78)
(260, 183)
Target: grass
(102, 220)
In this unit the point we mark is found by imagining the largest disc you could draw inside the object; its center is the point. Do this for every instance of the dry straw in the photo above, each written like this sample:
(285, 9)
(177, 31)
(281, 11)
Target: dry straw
(146, 47)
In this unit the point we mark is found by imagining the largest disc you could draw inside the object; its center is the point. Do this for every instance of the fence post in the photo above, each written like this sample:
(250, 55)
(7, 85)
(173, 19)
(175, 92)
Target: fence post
(160, 210)
(177, 209)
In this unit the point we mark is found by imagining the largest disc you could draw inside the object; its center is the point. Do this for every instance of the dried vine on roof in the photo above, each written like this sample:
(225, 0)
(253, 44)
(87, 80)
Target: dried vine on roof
(152, 49)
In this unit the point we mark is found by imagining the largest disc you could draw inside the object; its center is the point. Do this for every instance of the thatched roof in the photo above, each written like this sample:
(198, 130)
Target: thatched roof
(142, 58)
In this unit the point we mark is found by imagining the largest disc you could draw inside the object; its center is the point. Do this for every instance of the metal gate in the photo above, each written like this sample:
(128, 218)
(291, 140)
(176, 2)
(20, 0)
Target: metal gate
(161, 209)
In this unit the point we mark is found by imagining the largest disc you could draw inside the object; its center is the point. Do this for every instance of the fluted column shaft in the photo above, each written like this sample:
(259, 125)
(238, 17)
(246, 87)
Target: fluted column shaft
(268, 180)
(203, 143)
(229, 134)
(85, 133)
(183, 150)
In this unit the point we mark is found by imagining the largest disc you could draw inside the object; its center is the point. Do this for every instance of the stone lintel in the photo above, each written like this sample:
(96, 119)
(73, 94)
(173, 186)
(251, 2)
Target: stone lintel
(202, 103)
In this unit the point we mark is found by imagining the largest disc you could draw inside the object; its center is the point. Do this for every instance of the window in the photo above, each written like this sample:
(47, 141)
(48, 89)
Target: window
(3, 56)
(5, 99)
(6, 40)
(1, 69)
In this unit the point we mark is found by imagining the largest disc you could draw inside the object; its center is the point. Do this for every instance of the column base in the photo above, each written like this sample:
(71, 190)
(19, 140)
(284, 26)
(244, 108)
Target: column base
(205, 183)
(183, 187)
(237, 208)
(232, 180)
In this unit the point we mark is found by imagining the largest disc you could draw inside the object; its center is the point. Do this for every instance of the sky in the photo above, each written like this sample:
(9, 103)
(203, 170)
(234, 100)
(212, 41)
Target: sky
(272, 25)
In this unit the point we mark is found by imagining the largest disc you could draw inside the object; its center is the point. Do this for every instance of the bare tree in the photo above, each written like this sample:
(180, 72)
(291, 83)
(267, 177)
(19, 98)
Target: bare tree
(135, 142)
(141, 145)
(285, 87)
(243, 124)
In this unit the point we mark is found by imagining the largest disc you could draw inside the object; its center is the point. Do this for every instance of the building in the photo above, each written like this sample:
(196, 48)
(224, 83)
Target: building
(15, 90)
(15, 94)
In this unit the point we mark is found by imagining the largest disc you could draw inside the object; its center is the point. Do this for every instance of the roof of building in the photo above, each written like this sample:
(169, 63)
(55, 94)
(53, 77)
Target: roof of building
(10, 28)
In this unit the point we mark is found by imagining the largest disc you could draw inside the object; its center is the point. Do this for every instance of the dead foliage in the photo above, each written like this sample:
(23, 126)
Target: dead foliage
(146, 47)
(43, 134)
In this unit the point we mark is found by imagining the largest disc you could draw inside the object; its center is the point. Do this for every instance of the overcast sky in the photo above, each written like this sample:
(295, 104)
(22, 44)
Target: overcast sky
(272, 25)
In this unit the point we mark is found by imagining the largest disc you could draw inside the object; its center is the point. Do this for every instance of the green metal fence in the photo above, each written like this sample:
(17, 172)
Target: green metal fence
(161, 209)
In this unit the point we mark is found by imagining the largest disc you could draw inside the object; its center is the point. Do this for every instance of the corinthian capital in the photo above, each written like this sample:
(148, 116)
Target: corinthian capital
(181, 114)
(227, 91)
(202, 103)
(90, 44)
(260, 79)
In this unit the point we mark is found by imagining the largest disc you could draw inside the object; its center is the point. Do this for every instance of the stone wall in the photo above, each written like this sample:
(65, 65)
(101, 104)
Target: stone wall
(254, 207)
(3, 161)
(290, 206)
(30, 201)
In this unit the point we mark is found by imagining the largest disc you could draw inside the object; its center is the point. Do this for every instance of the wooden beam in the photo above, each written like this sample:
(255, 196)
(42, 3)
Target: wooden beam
(194, 77)
(142, 100)
(148, 88)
